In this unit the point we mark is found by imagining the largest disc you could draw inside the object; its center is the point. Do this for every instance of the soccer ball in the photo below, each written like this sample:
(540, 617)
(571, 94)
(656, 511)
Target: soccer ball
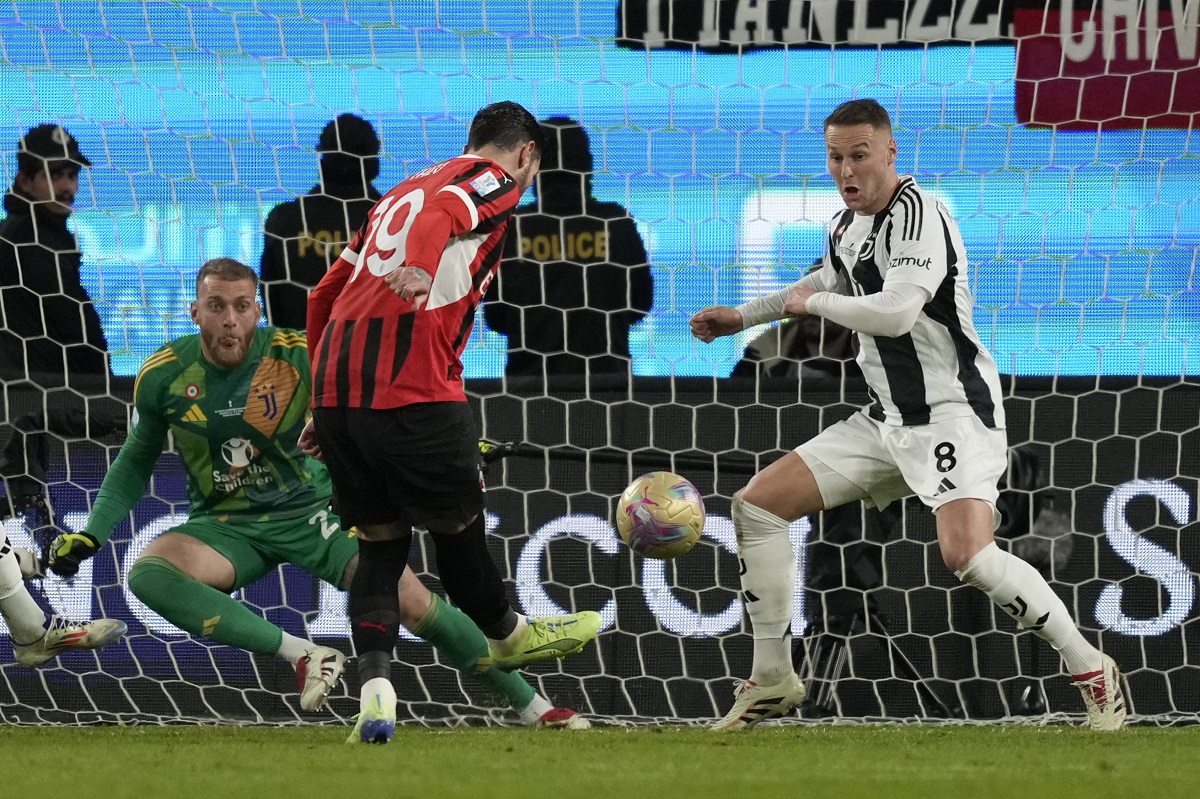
(660, 515)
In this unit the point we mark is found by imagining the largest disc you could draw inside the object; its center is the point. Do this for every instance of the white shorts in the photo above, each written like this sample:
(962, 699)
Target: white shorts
(878, 463)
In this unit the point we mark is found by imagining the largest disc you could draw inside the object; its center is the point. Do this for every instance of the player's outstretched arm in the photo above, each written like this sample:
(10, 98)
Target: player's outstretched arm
(125, 482)
(890, 313)
(717, 321)
(124, 485)
(63, 556)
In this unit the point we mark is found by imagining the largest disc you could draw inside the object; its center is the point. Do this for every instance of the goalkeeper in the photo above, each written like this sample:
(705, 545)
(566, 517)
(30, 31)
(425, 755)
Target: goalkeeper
(235, 397)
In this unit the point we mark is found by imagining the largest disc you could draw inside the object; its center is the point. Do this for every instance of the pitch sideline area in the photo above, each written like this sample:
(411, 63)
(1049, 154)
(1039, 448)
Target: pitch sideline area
(896, 762)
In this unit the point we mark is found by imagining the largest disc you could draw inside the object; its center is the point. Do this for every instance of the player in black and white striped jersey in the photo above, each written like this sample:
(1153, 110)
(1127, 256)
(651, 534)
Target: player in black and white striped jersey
(895, 272)
(938, 368)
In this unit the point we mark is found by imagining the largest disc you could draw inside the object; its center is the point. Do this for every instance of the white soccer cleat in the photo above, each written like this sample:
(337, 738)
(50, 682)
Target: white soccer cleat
(318, 672)
(1103, 695)
(753, 703)
(562, 718)
(63, 635)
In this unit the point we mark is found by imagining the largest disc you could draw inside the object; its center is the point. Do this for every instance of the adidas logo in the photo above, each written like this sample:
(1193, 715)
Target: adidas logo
(944, 486)
(195, 416)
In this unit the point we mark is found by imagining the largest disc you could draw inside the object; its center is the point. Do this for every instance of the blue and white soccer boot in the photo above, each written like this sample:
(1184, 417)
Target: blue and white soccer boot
(377, 713)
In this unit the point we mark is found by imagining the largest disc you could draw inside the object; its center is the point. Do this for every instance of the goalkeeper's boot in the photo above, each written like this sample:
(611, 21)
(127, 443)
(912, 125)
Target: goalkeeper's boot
(64, 634)
(318, 672)
(545, 638)
(377, 715)
(562, 718)
(1103, 695)
(753, 703)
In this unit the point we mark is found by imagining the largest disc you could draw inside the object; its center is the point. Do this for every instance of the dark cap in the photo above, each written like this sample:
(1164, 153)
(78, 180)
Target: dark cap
(349, 134)
(48, 143)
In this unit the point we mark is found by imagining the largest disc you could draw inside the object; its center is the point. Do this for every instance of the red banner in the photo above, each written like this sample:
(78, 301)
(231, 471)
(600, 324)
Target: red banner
(1113, 65)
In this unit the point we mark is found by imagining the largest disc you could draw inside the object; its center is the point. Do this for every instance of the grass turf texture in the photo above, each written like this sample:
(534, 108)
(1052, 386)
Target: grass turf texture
(660, 762)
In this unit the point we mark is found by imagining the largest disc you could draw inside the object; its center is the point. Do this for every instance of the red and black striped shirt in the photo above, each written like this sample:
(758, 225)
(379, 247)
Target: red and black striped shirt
(372, 349)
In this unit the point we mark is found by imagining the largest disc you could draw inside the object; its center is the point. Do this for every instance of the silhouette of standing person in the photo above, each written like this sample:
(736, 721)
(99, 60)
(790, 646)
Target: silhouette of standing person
(306, 235)
(575, 276)
(51, 340)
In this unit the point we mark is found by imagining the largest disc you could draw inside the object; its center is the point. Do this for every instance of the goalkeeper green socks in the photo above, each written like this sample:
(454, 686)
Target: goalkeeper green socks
(200, 609)
(457, 638)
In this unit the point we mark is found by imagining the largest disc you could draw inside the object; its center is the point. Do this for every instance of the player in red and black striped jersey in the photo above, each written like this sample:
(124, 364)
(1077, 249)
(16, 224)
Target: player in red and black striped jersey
(391, 420)
(379, 349)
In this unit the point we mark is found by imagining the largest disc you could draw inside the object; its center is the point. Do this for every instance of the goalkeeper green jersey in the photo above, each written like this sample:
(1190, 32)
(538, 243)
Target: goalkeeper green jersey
(236, 431)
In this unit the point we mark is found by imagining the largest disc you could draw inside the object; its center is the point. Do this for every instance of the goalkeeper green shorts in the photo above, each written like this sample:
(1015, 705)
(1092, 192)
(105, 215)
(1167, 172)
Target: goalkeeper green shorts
(317, 542)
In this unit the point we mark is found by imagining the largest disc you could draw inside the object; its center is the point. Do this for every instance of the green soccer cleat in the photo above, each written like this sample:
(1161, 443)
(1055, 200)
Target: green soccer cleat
(545, 638)
(63, 635)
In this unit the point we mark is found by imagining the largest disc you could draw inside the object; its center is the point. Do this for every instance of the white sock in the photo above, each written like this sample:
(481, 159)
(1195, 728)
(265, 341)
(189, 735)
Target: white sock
(292, 648)
(536, 708)
(510, 643)
(1021, 592)
(768, 580)
(26, 621)
(377, 687)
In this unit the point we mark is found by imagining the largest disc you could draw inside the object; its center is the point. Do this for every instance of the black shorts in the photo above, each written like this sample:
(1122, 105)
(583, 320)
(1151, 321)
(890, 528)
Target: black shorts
(414, 463)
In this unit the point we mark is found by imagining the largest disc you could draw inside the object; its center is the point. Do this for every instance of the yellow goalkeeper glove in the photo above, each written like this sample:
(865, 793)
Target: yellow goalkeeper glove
(492, 451)
(69, 550)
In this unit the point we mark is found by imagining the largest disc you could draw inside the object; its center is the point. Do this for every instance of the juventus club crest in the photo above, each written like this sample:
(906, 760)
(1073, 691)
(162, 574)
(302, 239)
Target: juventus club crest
(271, 391)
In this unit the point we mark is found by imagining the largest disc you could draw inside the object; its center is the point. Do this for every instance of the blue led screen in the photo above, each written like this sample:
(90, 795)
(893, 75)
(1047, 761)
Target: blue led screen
(201, 117)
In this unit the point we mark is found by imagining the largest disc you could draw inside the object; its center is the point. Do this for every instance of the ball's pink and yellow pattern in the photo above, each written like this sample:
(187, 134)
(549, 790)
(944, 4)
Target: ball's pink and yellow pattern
(660, 515)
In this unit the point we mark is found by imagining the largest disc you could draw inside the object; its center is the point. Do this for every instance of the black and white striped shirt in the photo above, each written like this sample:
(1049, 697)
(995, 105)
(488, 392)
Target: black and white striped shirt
(939, 369)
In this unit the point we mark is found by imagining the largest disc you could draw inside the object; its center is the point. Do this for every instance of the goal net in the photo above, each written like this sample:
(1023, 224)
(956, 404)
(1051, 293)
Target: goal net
(1061, 137)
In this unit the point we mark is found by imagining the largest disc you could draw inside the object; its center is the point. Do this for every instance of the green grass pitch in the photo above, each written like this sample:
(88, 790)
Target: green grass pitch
(805, 762)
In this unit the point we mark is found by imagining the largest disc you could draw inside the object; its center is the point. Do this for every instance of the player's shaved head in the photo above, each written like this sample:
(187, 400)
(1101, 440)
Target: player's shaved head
(225, 269)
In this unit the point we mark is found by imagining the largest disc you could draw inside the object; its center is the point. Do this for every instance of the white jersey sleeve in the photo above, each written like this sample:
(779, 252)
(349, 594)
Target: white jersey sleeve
(891, 312)
(769, 307)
